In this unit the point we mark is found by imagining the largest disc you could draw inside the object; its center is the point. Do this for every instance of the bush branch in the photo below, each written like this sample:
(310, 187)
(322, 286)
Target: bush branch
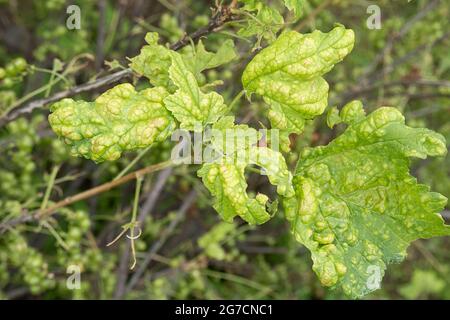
(39, 214)
(221, 15)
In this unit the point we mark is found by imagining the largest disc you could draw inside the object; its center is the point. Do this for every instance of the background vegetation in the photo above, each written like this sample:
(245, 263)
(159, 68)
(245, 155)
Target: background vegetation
(184, 250)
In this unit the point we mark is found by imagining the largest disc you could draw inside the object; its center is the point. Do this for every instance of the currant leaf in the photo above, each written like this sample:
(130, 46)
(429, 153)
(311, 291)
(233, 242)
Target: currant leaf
(119, 120)
(296, 6)
(225, 180)
(236, 147)
(356, 207)
(228, 139)
(153, 62)
(265, 24)
(287, 74)
(189, 105)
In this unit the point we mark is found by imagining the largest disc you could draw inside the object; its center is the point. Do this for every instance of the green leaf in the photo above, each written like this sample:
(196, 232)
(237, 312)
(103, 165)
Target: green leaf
(288, 74)
(153, 62)
(228, 139)
(189, 105)
(296, 6)
(357, 208)
(225, 180)
(251, 5)
(333, 117)
(265, 24)
(224, 177)
(119, 120)
(203, 59)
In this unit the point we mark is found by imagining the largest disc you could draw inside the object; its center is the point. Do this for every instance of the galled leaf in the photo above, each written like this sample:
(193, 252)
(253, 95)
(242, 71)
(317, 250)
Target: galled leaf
(226, 182)
(288, 74)
(357, 208)
(189, 105)
(228, 139)
(225, 179)
(119, 120)
(153, 62)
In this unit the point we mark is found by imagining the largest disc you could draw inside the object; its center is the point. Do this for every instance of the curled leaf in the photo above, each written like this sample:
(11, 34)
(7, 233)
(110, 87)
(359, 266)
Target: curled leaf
(189, 105)
(287, 74)
(119, 120)
(225, 178)
(153, 62)
(356, 207)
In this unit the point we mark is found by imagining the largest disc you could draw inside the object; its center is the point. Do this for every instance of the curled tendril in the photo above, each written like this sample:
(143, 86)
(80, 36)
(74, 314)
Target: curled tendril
(132, 237)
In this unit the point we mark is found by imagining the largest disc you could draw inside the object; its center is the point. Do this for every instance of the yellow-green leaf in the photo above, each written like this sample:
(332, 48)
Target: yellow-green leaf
(189, 105)
(287, 74)
(357, 208)
(119, 120)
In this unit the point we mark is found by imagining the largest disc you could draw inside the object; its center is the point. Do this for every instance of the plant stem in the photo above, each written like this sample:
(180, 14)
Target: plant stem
(133, 223)
(236, 99)
(221, 17)
(132, 163)
(51, 183)
(102, 188)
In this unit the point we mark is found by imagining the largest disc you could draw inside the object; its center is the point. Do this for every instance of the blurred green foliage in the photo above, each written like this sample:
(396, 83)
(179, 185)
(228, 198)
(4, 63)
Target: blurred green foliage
(200, 258)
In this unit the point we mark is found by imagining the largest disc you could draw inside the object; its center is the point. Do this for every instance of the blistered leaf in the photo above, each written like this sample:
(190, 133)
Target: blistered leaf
(228, 139)
(226, 181)
(224, 177)
(189, 105)
(288, 74)
(153, 62)
(119, 120)
(357, 208)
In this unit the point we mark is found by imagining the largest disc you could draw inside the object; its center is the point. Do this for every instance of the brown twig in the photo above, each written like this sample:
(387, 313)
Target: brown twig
(86, 87)
(39, 214)
(220, 17)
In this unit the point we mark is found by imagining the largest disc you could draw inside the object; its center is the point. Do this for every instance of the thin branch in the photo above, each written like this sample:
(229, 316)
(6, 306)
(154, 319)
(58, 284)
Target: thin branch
(381, 85)
(39, 214)
(397, 36)
(87, 87)
(374, 78)
(313, 14)
(220, 17)
(101, 34)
